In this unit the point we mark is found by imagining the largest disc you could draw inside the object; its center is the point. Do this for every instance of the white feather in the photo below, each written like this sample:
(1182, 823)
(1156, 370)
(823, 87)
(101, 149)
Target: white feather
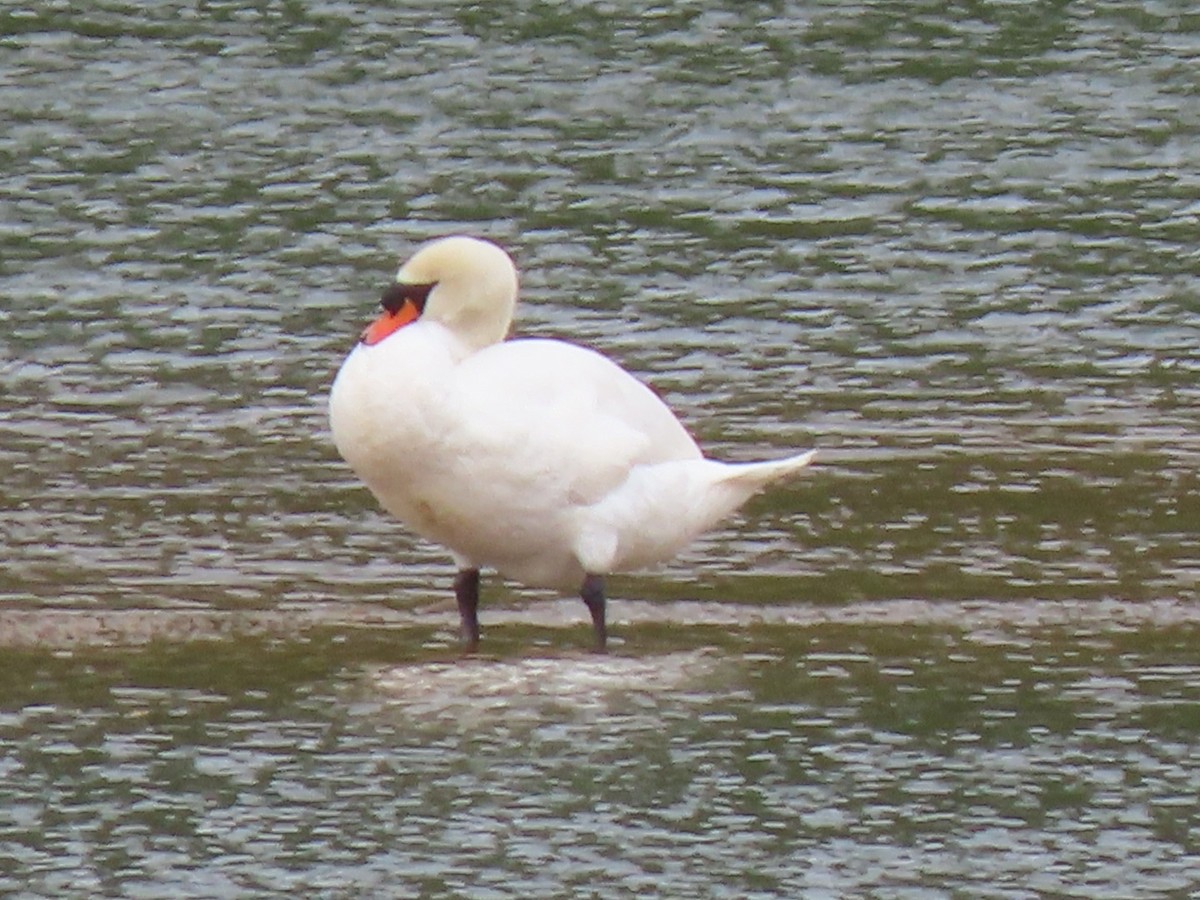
(540, 458)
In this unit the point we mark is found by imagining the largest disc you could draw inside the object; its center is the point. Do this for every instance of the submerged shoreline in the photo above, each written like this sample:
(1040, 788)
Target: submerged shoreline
(58, 628)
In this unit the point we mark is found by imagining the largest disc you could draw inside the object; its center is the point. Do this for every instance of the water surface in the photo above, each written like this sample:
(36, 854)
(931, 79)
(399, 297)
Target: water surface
(953, 249)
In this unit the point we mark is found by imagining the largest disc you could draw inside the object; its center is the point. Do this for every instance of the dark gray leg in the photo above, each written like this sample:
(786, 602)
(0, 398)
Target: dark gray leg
(592, 593)
(466, 592)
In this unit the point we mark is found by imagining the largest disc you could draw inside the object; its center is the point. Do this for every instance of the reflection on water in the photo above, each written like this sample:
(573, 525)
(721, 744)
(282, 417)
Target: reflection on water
(952, 248)
(831, 760)
(464, 689)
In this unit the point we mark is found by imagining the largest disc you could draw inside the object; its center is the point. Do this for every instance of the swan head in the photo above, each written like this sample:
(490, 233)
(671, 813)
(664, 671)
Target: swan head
(464, 283)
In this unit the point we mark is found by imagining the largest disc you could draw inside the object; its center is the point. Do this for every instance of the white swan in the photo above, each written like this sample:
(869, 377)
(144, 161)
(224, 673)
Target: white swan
(539, 458)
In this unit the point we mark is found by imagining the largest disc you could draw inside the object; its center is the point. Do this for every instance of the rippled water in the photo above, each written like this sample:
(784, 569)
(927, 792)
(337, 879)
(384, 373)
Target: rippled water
(953, 248)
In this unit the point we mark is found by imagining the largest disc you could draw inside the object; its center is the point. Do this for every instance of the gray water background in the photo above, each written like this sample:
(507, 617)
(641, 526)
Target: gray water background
(953, 246)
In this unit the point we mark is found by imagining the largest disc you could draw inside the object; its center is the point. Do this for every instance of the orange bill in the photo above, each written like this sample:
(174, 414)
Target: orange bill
(390, 321)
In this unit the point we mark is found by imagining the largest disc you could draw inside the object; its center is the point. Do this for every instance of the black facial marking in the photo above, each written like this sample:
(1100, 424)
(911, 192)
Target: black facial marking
(396, 294)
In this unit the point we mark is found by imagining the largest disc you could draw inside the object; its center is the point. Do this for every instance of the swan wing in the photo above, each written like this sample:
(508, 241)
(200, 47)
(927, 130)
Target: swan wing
(564, 417)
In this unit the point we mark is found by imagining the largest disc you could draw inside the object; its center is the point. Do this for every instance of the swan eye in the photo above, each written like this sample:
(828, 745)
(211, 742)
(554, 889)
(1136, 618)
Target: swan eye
(396, 295)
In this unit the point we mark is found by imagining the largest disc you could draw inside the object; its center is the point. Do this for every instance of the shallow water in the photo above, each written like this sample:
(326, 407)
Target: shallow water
(823, 761)
(953, 249)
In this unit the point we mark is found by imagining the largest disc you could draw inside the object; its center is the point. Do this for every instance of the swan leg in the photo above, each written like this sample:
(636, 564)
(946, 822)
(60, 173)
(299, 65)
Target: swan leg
(466, 592)
(592, 593)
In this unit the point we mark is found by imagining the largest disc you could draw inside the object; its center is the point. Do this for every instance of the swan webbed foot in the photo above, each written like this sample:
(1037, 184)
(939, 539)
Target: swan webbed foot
(466, 592)
(592, 593)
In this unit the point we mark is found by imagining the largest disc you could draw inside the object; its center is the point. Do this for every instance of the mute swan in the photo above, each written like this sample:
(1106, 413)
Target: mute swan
(539, 458)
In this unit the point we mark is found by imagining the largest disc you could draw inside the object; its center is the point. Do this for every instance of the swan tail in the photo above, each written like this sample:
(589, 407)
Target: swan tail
(663, 507)
(729, 485)
(757, 475)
